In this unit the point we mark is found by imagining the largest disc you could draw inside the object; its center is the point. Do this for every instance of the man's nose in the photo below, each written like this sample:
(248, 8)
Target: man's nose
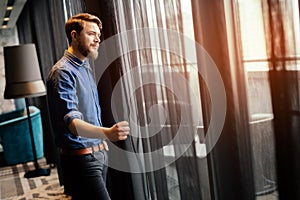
(97, 39)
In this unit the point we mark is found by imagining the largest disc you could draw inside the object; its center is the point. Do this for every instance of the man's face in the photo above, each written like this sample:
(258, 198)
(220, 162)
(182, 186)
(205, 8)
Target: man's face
(89, 39)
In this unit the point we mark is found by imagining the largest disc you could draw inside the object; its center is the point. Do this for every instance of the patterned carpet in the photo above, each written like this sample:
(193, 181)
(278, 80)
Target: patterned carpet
(13, 185)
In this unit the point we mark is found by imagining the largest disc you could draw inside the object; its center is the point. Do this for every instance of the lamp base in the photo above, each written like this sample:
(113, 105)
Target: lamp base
(37, 172)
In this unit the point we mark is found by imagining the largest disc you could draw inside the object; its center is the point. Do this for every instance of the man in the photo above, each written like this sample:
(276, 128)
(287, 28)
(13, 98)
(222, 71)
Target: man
(75, 112)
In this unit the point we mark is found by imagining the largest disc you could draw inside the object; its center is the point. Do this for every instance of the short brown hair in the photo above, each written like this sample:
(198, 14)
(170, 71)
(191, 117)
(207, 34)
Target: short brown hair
(77, 23)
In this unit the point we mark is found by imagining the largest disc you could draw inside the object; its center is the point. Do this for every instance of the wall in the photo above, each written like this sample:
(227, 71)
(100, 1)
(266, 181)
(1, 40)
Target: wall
(8, 37)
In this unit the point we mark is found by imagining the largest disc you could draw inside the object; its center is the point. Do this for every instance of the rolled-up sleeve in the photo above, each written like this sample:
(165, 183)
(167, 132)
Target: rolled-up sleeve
(72, 115)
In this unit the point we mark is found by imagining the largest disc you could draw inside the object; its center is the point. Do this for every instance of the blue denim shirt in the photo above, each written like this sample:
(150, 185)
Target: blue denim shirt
(72, 93)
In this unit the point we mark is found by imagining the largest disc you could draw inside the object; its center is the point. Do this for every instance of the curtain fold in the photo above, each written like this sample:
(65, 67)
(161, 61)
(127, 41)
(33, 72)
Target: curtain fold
(154, 69)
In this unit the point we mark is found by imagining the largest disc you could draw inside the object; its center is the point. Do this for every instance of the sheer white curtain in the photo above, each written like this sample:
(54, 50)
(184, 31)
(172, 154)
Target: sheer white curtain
(160, 92)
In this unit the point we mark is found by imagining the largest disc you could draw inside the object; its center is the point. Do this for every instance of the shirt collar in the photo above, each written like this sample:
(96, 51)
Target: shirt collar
(76, 60)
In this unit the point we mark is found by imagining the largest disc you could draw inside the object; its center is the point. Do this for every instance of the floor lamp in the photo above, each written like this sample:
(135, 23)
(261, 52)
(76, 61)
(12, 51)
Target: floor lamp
(23, 80)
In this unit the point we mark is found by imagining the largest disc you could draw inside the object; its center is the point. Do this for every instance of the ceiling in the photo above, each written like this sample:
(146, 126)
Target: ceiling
(9, 12)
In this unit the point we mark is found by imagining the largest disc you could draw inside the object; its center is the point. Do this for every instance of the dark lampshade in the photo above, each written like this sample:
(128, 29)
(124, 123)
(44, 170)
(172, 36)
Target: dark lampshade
(22, 72)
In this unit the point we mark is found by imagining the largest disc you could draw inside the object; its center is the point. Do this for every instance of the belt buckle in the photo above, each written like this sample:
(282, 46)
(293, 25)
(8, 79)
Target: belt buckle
(105, 145)
(99, 147)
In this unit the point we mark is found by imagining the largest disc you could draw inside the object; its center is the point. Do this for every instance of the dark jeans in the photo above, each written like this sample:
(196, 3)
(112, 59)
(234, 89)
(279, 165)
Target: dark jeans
(84, 176)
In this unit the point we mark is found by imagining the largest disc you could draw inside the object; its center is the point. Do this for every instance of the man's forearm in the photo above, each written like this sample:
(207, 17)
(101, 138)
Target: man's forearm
(81, 128)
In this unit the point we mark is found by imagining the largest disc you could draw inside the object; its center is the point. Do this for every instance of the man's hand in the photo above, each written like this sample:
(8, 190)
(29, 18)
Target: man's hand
(117, 132)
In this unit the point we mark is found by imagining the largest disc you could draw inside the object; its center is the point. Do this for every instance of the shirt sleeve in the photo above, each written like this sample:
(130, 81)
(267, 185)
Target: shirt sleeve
(67, 94)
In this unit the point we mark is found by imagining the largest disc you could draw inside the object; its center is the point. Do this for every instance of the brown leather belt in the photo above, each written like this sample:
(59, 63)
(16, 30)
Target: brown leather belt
(89, 150)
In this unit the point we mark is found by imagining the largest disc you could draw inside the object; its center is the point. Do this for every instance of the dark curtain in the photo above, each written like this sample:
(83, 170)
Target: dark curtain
(230, 162)
(284, 83)
(42, 23)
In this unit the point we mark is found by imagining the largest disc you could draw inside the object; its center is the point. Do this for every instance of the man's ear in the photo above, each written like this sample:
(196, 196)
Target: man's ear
(73, 35)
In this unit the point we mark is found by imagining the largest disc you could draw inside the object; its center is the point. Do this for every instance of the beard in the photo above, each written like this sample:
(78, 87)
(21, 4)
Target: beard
(86, 52)
(93, 54)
